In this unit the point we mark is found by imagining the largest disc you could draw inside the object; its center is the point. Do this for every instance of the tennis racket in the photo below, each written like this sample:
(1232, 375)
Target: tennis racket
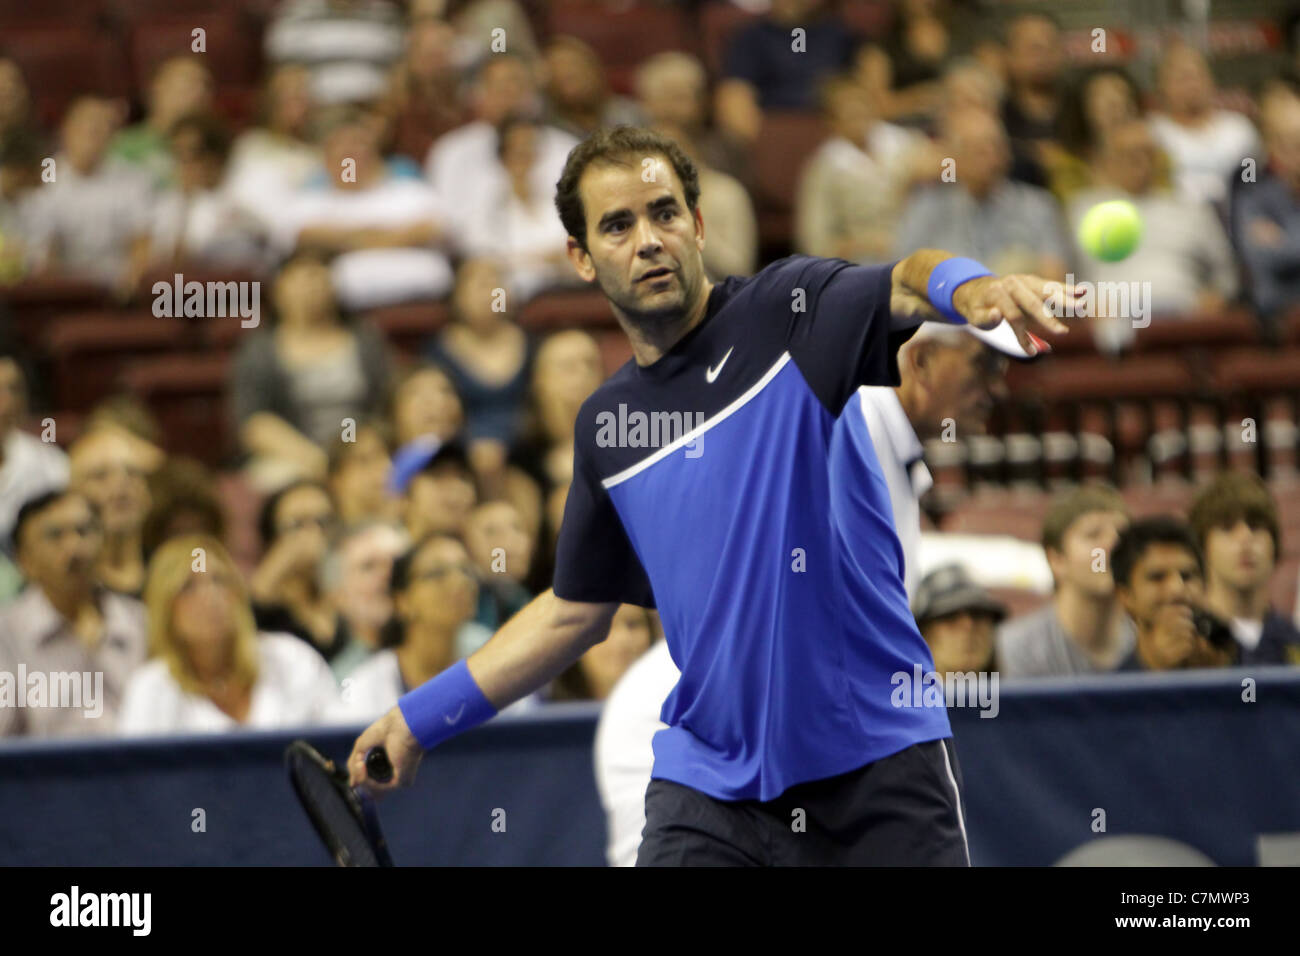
(345, 818)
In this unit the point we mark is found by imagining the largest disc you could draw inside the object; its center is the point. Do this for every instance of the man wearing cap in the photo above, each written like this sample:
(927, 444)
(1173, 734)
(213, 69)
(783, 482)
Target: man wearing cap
(957, 618)
(436, 485)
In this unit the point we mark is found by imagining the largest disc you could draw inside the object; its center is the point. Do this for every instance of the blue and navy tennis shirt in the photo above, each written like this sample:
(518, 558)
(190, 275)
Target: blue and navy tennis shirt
(763, 534)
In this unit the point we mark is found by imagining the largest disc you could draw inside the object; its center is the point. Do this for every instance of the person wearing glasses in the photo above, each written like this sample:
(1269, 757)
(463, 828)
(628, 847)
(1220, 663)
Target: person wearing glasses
(295, 525)
(435, 594)
(212, 670)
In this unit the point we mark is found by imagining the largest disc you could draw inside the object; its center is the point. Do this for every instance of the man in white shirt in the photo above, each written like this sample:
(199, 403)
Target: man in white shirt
(1205, 145)
(945, 373)
(383, 230)
(28, 466)
(463, 165)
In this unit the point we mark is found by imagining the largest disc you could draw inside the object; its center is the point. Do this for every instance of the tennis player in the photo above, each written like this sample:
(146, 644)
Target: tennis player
(784, 743)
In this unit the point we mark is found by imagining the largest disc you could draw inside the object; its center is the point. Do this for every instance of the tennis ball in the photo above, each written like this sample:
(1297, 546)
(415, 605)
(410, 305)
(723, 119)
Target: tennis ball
(1110, 231)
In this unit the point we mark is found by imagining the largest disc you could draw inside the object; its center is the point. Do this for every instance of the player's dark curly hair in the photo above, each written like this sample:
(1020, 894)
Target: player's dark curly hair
(619, 146)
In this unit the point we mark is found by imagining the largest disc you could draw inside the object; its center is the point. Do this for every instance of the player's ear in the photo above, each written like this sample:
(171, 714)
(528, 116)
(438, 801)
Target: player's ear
(699, 227)
(580, 260)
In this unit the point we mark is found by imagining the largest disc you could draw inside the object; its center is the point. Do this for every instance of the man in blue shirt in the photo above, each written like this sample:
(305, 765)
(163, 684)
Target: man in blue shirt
(715, 479)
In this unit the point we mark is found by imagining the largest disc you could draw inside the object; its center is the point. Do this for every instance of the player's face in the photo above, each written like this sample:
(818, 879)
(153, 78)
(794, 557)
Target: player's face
(1078, 560)
(644, 244)
(1165, 574)
(1240, 554)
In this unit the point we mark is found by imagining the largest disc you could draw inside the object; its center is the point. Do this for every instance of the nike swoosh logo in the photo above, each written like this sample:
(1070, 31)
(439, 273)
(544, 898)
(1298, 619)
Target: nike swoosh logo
(712, 373)
(450, 719)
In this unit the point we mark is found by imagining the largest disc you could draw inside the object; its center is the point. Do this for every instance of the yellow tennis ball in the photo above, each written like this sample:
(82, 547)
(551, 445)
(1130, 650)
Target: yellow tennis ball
(1110, 231)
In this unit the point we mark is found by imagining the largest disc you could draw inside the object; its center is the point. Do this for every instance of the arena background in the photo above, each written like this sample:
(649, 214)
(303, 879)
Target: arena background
(1157, 418)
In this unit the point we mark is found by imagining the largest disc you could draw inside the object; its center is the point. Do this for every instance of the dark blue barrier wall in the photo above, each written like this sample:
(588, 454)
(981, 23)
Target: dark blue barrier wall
(1182, 758)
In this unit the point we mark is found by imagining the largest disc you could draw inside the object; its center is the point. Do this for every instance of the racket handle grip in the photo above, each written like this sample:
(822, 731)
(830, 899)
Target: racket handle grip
(378, 766)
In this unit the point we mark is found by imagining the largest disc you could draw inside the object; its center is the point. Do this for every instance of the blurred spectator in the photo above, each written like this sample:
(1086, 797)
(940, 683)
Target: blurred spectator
(567, 369)
(357, 475)
(295, 525)
(486, 353)
(425, 403)
(1009, 226)
(15, 103)
(852, 191)
(1236, 524)
(1102, 100)
(181, 86)
(903, 73)
(1083, 629)
(383, 229)
(437, 487)
(64, 625)
(211, 669)
(957, 618)
(424, 96)
(502, 551)
(1266, 216)
(195, 220)
(354, 576)
(672, 90)
(435, 591)
(274, 159)
(463, 165)
(764, 70)
(348, 45)
(578, 97)
(1183, 252)
(93, 220)
(184, 500)
(1205, 145)
(475, 21)
(105, 468)
(1160, 580)
(20, 176)
(596, 672)
(294, 383)
(28, 466)
(514, 221)
(1032, 111)
(134, 423)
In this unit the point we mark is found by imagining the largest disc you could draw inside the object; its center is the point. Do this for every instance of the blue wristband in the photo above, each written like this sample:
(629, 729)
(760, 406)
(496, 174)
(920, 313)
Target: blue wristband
(447, 705)
(944, 279)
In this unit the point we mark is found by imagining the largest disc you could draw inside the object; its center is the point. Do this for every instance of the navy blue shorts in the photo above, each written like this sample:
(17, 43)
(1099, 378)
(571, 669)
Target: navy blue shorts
(901, 810)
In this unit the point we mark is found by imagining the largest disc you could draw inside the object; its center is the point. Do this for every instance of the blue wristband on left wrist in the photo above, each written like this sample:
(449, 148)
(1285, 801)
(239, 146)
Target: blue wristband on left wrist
(944, 279)
(445, 706)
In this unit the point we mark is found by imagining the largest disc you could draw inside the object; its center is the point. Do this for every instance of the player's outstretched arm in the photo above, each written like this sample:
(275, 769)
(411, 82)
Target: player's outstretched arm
(532, 648)
(932, 284)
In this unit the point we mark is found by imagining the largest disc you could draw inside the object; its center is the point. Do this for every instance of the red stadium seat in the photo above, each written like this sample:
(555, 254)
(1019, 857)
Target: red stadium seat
(622, 36)
(23, 13)
(62, 62)
(34, 301)
(785, 142)
(89, 349)
(870, 19)
(1257, 371)
(1235, 328)
(408, 326)
(581, 309)
(187, 394)
(233, 50)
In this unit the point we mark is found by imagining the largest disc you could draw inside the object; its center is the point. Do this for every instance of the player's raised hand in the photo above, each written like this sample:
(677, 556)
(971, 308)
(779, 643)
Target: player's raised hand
(404, 753)
(1030, 304)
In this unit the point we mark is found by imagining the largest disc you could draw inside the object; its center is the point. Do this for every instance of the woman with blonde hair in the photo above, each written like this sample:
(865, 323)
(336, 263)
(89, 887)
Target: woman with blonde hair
(211, 669)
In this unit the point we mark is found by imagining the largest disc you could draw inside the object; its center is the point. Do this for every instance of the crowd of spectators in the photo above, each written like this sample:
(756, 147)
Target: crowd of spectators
(409, 507)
